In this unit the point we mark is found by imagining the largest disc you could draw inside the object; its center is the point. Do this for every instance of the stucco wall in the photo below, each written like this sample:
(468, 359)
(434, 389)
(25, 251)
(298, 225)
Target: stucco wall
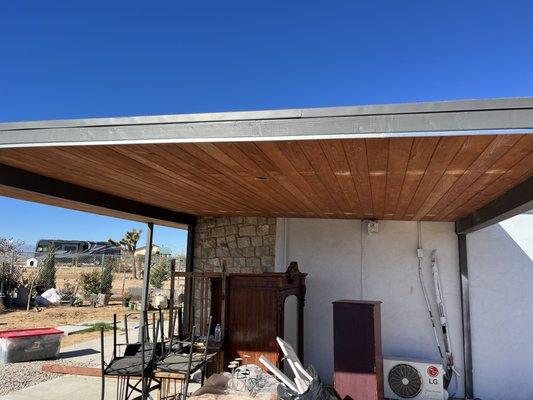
(501, 306)
(343, 261)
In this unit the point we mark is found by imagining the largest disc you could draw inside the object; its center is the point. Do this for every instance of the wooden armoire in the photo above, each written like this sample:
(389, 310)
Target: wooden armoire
(255, 308)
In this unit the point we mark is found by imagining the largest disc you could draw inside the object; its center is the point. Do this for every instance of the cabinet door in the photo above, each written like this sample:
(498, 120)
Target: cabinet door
(253, 324)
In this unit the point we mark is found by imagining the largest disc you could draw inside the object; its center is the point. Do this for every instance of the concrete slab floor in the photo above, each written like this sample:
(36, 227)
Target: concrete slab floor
(66, 387)
(70, 329)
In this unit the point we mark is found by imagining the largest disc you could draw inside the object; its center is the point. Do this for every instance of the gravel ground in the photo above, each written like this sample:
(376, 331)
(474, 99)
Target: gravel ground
(21, 375)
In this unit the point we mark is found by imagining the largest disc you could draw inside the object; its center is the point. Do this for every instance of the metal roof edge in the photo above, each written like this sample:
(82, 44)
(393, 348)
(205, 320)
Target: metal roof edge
(342, 111)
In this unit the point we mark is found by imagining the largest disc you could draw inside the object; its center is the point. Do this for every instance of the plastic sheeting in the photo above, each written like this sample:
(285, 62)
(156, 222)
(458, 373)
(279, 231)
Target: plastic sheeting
(316, 390)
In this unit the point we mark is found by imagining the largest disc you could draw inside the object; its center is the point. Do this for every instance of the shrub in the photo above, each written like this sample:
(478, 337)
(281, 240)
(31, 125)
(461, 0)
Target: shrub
(11, 276)
(68, 292)
(90, 283)
(106, 280)
(47, 275)
(159, 273)
(99, 325)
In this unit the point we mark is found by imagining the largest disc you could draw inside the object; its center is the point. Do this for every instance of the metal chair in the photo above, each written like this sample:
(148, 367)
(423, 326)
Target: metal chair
(137, 362)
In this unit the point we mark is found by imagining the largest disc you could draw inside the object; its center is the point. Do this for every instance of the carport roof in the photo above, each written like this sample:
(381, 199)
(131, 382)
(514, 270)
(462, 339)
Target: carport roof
(439, 161)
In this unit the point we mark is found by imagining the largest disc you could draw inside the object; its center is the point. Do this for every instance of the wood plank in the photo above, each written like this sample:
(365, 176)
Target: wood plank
(72, 370)
(295, 154)
(166, 161)
(255, 189)
(498, 147)
(472, 147)
(502, 175)
(520, 150)
(319, 162)
(283, 181)
(28, 161)
(377, 152)
(444, 153)
(336, 157)
(260, 170)
(291, 179)
(421, 153)
(355, 151)
(399, 151)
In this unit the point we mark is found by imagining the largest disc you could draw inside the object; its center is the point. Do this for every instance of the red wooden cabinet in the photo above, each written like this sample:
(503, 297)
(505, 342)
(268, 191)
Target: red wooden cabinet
(358, 362)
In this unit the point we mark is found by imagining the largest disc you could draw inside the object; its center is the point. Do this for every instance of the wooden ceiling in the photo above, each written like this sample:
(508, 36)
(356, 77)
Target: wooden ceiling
(423, 178)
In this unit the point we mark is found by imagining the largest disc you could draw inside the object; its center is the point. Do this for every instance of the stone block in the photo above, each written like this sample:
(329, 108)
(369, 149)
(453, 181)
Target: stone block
(209, 242)
(239, 262)
(210, 222)
(263, 230)
(201, 227)
(215, 262)
(269, 240)
(236, 252)
(232, 230)
(250, 220)
(218, 231)
(243, 242)
(267, 261)
(257, 241)
(222, 252)
(222, 221)
(208, 252)
(248, 252)
(228, 262)
(253, 262)
(231, 241)
(262, 251)
(247, 230)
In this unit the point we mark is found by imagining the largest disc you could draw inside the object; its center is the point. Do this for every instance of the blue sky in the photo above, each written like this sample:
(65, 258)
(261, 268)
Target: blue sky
(65, 59)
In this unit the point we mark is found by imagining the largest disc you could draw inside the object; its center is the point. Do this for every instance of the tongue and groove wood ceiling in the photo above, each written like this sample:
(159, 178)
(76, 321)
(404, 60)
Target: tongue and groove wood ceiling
(423, 178)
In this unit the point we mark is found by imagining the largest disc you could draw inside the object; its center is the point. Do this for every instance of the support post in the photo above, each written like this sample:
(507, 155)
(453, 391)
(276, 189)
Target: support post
(189, 281)
(146, 276)
(171, 299)
(465, 306)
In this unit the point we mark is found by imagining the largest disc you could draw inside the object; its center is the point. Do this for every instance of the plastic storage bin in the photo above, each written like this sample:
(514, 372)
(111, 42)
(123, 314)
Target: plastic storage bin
(29, 344)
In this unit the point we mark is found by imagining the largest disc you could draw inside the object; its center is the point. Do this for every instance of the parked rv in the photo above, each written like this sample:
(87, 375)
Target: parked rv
(75, 251)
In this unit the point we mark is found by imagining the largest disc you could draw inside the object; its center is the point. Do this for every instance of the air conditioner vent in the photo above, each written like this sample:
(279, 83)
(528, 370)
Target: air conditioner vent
(405, 381)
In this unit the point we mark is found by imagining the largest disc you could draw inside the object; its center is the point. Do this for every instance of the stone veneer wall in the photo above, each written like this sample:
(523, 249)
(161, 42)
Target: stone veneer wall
(244, 244)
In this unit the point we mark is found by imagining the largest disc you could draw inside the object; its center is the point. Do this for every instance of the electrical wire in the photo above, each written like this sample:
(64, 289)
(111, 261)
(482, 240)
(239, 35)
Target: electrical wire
(424, 290)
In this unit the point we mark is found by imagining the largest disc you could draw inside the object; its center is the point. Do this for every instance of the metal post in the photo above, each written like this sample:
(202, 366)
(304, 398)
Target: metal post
(189, 282)
(146, 275)
(465, 305)
(171, 298)
(102, 361)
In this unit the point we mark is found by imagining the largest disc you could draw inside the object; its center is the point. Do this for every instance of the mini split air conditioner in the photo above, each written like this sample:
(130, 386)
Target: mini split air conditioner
(406, 378)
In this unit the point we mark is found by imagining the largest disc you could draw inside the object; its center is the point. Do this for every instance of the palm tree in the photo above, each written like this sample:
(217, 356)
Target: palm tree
(129, 244)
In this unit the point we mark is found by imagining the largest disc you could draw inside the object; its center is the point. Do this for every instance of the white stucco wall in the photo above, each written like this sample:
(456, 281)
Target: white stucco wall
(344, 262)
(501, 307)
